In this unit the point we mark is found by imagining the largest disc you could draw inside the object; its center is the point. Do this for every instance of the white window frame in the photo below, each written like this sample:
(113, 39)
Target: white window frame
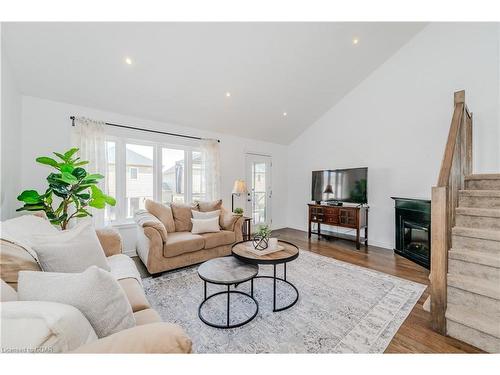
(121, 171)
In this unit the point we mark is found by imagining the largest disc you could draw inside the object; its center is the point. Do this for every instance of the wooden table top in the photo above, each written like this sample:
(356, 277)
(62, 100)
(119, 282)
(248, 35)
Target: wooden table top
(289, 253)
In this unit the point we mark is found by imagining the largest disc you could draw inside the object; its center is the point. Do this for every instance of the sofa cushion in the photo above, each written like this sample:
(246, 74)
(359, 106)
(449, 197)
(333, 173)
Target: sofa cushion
(148, 338)
(14, 258)
(43, 327)
(182, 216)
(224, 237)
(204, 206)
(228, 219)
(94, 292)
(7, 293)
(135, 294)
(182, 242)
(147, 316)
(71, 250)
(162, 212)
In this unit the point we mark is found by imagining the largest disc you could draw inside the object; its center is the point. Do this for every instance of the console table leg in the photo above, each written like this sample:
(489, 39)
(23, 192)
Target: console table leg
(274, 288)
(357, 238)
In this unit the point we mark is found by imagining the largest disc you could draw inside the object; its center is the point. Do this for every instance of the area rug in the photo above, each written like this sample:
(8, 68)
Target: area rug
(342, 308)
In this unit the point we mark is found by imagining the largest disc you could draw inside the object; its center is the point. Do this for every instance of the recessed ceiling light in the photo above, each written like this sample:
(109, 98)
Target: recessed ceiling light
(285, 114)
(355, 41)
(128, 61)
(228, 94)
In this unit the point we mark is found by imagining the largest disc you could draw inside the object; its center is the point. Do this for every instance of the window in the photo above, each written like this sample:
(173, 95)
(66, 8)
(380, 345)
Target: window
(139, 170)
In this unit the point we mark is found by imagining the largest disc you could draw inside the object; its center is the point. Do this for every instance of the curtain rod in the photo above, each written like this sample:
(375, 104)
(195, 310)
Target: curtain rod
(72, 118)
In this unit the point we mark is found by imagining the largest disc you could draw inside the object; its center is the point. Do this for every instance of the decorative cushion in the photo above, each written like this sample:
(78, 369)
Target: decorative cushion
(205, 215)
(148, 338)
(182, 242)
(14, 258)
(224, 237)
(144, 219)
(43, 327)
(228, 219)
(7, 293)
(205, 225)
(182, 216)
(71, 250)
(204, 206)
(162, 212)
(94, 292)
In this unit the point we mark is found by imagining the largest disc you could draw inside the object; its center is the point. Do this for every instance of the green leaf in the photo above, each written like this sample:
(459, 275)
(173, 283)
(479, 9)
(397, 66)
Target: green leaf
(29, 196)
(68, 178)
(68, 168)
(96, 192)
(47, 161)
(79, 173)
(84, 196)
(95, 176)
(97, 202)
(61, 156)
(80, 163)
(68, 154)
(110, 200)
(81, 215)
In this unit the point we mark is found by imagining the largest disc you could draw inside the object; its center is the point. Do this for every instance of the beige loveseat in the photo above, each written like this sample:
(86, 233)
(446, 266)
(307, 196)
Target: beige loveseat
(165, 241)
(149, 335)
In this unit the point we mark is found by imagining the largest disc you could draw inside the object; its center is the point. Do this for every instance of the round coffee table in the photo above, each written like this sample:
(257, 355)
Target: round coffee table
(289, 253)
(227, 271)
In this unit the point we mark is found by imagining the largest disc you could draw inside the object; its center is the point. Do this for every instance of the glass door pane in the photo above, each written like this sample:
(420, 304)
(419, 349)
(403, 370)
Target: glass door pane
(259, 192)
(139, 176)
(172, 167)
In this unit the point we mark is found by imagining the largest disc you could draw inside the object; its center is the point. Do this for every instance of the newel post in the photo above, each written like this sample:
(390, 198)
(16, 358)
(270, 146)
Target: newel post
(439, 257)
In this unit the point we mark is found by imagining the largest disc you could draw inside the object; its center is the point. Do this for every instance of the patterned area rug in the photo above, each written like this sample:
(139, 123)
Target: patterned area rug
(342, 308)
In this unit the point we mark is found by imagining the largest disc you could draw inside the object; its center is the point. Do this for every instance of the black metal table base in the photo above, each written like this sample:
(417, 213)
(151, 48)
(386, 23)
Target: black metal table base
(228, 292)
(275, 278)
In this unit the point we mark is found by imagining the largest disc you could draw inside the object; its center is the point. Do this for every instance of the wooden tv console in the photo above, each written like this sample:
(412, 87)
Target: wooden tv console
(353, 217)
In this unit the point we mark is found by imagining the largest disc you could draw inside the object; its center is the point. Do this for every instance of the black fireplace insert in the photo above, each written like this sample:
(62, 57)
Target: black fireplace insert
(413, 230)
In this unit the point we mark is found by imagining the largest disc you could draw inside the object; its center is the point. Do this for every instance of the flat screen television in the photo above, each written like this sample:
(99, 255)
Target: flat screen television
(340, 185)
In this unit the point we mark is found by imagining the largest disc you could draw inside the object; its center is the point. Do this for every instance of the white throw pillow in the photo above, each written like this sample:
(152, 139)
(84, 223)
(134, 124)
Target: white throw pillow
(71, 250)
(205, 225)
(205, 215)
(43, 327)
(94, 292)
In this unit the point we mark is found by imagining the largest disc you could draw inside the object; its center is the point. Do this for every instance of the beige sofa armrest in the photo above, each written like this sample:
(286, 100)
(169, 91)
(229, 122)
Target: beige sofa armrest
(238, 229)
(150, 248)
(145, 219)
(148, 338)
(110, 240)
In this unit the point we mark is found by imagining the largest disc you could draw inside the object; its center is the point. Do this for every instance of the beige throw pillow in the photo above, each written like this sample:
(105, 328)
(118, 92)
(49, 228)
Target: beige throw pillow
(71, 250)
(205, 215)
(205, 225)
(182, 216)
(204, 206)
(162, 212)
(94, 292)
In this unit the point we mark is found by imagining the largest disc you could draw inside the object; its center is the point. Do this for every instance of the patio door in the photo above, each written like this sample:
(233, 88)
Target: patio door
(259, 198)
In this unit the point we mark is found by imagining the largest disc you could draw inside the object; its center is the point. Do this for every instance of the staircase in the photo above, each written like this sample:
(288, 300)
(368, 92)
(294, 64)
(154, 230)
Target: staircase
(464, 297)
(473, 290)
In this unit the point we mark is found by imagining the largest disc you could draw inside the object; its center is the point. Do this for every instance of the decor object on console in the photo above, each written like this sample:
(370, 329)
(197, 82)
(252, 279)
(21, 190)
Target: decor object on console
(261, 237)
(238, 211)
(413, 229)
(239, 188)
(77, 189)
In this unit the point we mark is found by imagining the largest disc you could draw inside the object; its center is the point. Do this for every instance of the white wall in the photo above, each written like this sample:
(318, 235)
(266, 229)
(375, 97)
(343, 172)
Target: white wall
(397, 120)
(10, 139)
(46, 127)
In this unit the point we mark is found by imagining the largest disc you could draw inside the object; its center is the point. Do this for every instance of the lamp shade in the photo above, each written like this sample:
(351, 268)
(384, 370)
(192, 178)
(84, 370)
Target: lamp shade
(239, 187)
(328, 189)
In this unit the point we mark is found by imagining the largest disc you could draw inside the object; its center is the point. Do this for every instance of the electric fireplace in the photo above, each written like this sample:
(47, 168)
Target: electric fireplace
(413, 229)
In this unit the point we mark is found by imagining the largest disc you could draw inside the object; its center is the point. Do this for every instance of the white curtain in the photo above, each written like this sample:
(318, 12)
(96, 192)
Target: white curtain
(89, 136)
(210, 166)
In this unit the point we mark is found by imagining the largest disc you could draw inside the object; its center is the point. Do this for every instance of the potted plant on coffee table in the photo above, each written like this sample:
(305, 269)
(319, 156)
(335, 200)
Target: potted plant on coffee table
(261, 237)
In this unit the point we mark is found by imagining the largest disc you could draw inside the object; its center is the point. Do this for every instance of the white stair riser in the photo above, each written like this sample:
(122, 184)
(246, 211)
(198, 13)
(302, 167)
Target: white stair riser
(477, 222)
(488, 306)
(479, 201)
(472, 336)
(481, 271)
(460, 242)
(493, 184)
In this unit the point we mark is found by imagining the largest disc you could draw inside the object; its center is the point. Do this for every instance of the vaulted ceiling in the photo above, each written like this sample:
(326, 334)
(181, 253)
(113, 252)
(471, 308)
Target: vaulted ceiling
(236, 78)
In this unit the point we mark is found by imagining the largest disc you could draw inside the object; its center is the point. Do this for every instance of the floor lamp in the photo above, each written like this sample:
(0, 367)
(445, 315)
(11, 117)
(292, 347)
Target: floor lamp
(239, 188)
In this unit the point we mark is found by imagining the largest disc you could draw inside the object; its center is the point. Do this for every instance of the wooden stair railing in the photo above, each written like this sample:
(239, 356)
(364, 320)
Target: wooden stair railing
(456, 164)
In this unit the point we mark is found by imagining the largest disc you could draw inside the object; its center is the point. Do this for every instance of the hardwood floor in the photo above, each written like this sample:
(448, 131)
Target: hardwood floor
(415, 334)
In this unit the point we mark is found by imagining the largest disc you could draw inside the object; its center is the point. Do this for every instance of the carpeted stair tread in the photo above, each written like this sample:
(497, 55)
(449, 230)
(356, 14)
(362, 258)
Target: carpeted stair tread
(478, 257)
(474, 318)
(486, 176)
(480, 193)
(483, 212)
(493, 235)
(475, 285)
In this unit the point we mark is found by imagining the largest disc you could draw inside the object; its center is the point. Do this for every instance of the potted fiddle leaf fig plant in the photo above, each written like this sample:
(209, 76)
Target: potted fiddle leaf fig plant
(72, 190)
